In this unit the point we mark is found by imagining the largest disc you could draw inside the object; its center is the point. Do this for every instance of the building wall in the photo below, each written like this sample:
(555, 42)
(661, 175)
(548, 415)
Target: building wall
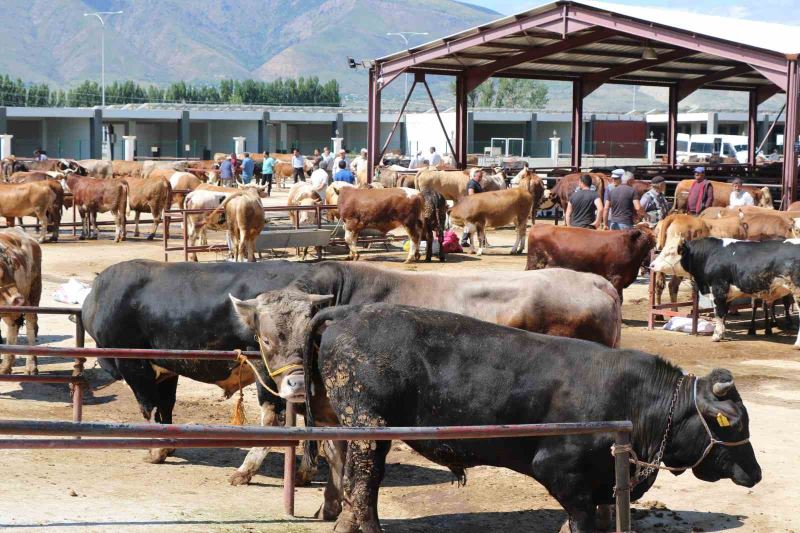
(223, 132)
(485, 131)
(563, 131)
(27, 136)
(67, 137)
(163, 135)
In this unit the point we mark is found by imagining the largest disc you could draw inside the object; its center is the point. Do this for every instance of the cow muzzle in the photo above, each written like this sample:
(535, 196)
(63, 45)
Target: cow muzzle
(293, 388)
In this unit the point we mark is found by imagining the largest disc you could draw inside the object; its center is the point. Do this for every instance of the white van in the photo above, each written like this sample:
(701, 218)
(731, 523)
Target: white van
(705, 145)
(682, 147)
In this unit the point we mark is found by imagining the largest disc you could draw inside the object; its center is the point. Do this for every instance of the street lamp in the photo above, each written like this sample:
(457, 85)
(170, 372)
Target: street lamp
(404, 35)
(100, 15)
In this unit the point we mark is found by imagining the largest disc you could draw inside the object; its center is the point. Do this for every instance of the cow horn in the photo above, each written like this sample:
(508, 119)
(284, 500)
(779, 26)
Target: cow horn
(722, 388)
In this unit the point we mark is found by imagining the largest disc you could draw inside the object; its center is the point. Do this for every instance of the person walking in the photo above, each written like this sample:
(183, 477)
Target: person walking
(654, 203)
(622, 204)
(435, 159)
(739, 197)
(701, 195)
(327, 163)
(268, 172)
(584, 207)
(344, 174)
(298, 166)
(226, 172)
(248, 168)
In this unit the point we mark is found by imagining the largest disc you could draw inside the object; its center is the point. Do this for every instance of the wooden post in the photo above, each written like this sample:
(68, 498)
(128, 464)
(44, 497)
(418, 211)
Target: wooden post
(622, 487)
(289, 466)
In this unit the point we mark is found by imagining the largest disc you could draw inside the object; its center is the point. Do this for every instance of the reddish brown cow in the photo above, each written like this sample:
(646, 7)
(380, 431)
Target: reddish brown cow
(564, 188)
(92, 196)
(148, 195)
(40, 199)
(384, 210)
(615, 255)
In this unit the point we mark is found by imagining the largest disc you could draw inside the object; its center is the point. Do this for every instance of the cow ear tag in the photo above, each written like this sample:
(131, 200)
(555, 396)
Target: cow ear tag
(723, 421)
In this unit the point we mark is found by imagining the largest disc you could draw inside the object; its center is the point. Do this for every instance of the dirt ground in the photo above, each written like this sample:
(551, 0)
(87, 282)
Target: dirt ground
(116, 491)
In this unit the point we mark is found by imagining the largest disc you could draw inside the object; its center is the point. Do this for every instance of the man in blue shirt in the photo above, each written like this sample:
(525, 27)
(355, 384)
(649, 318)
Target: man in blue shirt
(248, 167)
(344, 174)
(226, 172)
(267, 171)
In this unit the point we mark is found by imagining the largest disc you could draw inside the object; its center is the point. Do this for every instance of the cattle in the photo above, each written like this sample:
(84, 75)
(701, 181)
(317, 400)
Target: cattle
(567, 185)
(586, 306)
(56, 165)
(615, 255)
(452, 184)
(332, 198)
(434, 219)
(197, 224)
(21, 271)
(182, 181)
(50, 178)
(384, 210)
(148, 195)
(726, 269)
(794, 206)
(281, 172)
(125, 169)
(244, 219)
(494, 209)
(10, 165)
(299, 192)
(722, 193)
(760, 223)
(405, 378)
(394, 177)
(40, 199)
(92, 196)
(97, 168)
(161, 310)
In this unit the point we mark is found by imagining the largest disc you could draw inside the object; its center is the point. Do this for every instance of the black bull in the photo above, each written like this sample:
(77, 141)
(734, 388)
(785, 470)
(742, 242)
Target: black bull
(147, 304)
(431, 368)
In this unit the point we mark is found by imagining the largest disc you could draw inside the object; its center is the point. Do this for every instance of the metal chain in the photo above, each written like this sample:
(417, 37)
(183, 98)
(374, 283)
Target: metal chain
(653, 466)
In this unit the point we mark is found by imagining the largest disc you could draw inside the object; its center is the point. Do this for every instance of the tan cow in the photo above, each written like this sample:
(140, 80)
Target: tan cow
(244, 220)
(21, 273)
(92, 196)
(97, 168)
(494, 209)
(332, 198)
(182, 181)
(762, 197)
(381, 209)
(125, 169)
(39, 199)
(452, 184)
(197, 224)
(299, 192)
(148, 195)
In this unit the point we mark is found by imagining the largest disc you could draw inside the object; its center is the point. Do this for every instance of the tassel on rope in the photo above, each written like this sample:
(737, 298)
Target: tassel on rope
(238, 417)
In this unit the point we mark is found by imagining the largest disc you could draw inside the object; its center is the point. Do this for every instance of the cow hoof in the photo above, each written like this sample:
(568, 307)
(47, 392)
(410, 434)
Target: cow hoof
(716, 338)
(240, 478)
(346, 523)
(796, 347)
(157, 456)
(751, 332)
(328, 513)
(480, 252)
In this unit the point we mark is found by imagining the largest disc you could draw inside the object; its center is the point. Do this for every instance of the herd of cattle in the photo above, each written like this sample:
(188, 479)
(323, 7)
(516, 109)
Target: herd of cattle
(365, 346)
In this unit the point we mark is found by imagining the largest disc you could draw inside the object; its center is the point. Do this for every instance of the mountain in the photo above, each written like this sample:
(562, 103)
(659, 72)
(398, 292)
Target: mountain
(203, 41)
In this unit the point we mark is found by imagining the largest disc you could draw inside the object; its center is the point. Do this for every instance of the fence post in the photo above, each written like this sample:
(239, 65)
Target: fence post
(289, 466)
(185, 238)
(77, 402)
(695, 308)
(74, 223)
(167, 220)
(622, 487)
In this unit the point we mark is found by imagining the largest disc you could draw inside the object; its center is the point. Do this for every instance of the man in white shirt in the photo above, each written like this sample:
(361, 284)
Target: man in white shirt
(415, 161)
(739, 197)
(327, 161)
(342, 156)
(298, 164)
(359, 161)
(435, 160)
(319, 182)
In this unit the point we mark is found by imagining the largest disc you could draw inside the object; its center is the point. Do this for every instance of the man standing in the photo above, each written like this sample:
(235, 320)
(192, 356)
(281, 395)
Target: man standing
(415, 161)
(327, 162)
(359, 164)
(226, 172)
(319, 181)
(473, 187)
(248, 168)
(701, 195)
(298, 164)
(268, 171)
(435, 160)
(344, 174)
(622, 203)
(584, 207)
(342, 156)
(739, 197)
(654, 203)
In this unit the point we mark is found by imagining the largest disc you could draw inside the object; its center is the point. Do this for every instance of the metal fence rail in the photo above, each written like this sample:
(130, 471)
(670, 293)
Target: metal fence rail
(101, 436)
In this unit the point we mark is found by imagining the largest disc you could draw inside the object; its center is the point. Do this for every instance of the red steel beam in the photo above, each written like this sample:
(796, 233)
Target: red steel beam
(461, 122)
(125, 353)
(125, 444)
(672, 126)
(373, 123)
(577, 123)
(752, 128)
(40, 310)
(790, 136)
(685, 88)
(593, 81)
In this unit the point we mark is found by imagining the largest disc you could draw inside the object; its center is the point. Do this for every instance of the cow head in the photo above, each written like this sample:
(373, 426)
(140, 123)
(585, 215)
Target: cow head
(766, 198)
(724, 418)
(9, 263)
(281, 319)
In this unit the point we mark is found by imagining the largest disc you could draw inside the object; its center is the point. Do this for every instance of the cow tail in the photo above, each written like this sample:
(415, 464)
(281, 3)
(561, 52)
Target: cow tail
(416, 180)
(662, 232)
(165, 201)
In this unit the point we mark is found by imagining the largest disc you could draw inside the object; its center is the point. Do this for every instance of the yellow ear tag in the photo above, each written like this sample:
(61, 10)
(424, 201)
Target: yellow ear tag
(723, 421)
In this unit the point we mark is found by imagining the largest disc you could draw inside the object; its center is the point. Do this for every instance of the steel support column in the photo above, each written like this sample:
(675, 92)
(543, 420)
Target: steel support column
(461, 122)
(184, 135)
(752, 128)
(263, 133)
(790, 137)
(96, 135)
(577, 123)
(373, 125)
(672, 126)
(3, 120)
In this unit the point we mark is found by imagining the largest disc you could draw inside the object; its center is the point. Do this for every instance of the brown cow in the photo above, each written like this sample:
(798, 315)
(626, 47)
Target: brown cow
(452, 184)
(495, 209)
(722, 193)
(244, 218)
(615, 255)
(182, 181)
(567, 185)
(21, 272)
(332, 198)
(41, 199)
(92, 196)
(384, 210)
(760, 223)
(56, 165)
(125, 169)
(148, 195)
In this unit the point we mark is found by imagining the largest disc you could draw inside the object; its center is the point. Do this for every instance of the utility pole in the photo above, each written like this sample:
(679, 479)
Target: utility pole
(100, 15)
(404, 35)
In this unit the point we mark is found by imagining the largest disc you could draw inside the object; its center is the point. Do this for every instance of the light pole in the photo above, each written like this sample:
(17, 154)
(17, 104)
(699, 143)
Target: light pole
(404, 35)
(100, 15)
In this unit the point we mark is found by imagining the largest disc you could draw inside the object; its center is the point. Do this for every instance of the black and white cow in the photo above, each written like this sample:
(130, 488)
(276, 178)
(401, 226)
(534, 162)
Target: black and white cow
(727, 269)
(393, 365)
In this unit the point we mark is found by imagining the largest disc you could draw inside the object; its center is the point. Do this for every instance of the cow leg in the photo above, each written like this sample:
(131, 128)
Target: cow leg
(674, 285)
(8, 359)
(351, 238)
(481, 235)
(659, 282)
(366, 464)
(519, 244)
(120, 223)
(136, 223)
(42, 222)
(335, 452)
(720, 313)
(94, 229)
(165, 389)
(413, 249)
(156, 221)
(428, 243)
(255, 457)
(82, 213)
(767, 319)
(31, 331)
(754, 305)
(787, 309)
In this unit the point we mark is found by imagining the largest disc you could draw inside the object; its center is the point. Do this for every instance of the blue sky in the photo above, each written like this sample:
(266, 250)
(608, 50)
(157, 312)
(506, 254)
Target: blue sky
(784, 11)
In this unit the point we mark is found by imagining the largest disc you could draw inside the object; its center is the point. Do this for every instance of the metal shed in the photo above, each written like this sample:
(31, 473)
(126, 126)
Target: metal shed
(592, 43)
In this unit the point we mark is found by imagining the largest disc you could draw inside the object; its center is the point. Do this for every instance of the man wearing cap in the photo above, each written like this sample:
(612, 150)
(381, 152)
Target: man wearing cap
(621, 204)
(739, 197)
(654, 203)
(701, 195)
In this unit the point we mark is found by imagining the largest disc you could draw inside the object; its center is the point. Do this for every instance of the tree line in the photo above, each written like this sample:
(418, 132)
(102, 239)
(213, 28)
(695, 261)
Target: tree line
(507, 93)
(301, 91)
